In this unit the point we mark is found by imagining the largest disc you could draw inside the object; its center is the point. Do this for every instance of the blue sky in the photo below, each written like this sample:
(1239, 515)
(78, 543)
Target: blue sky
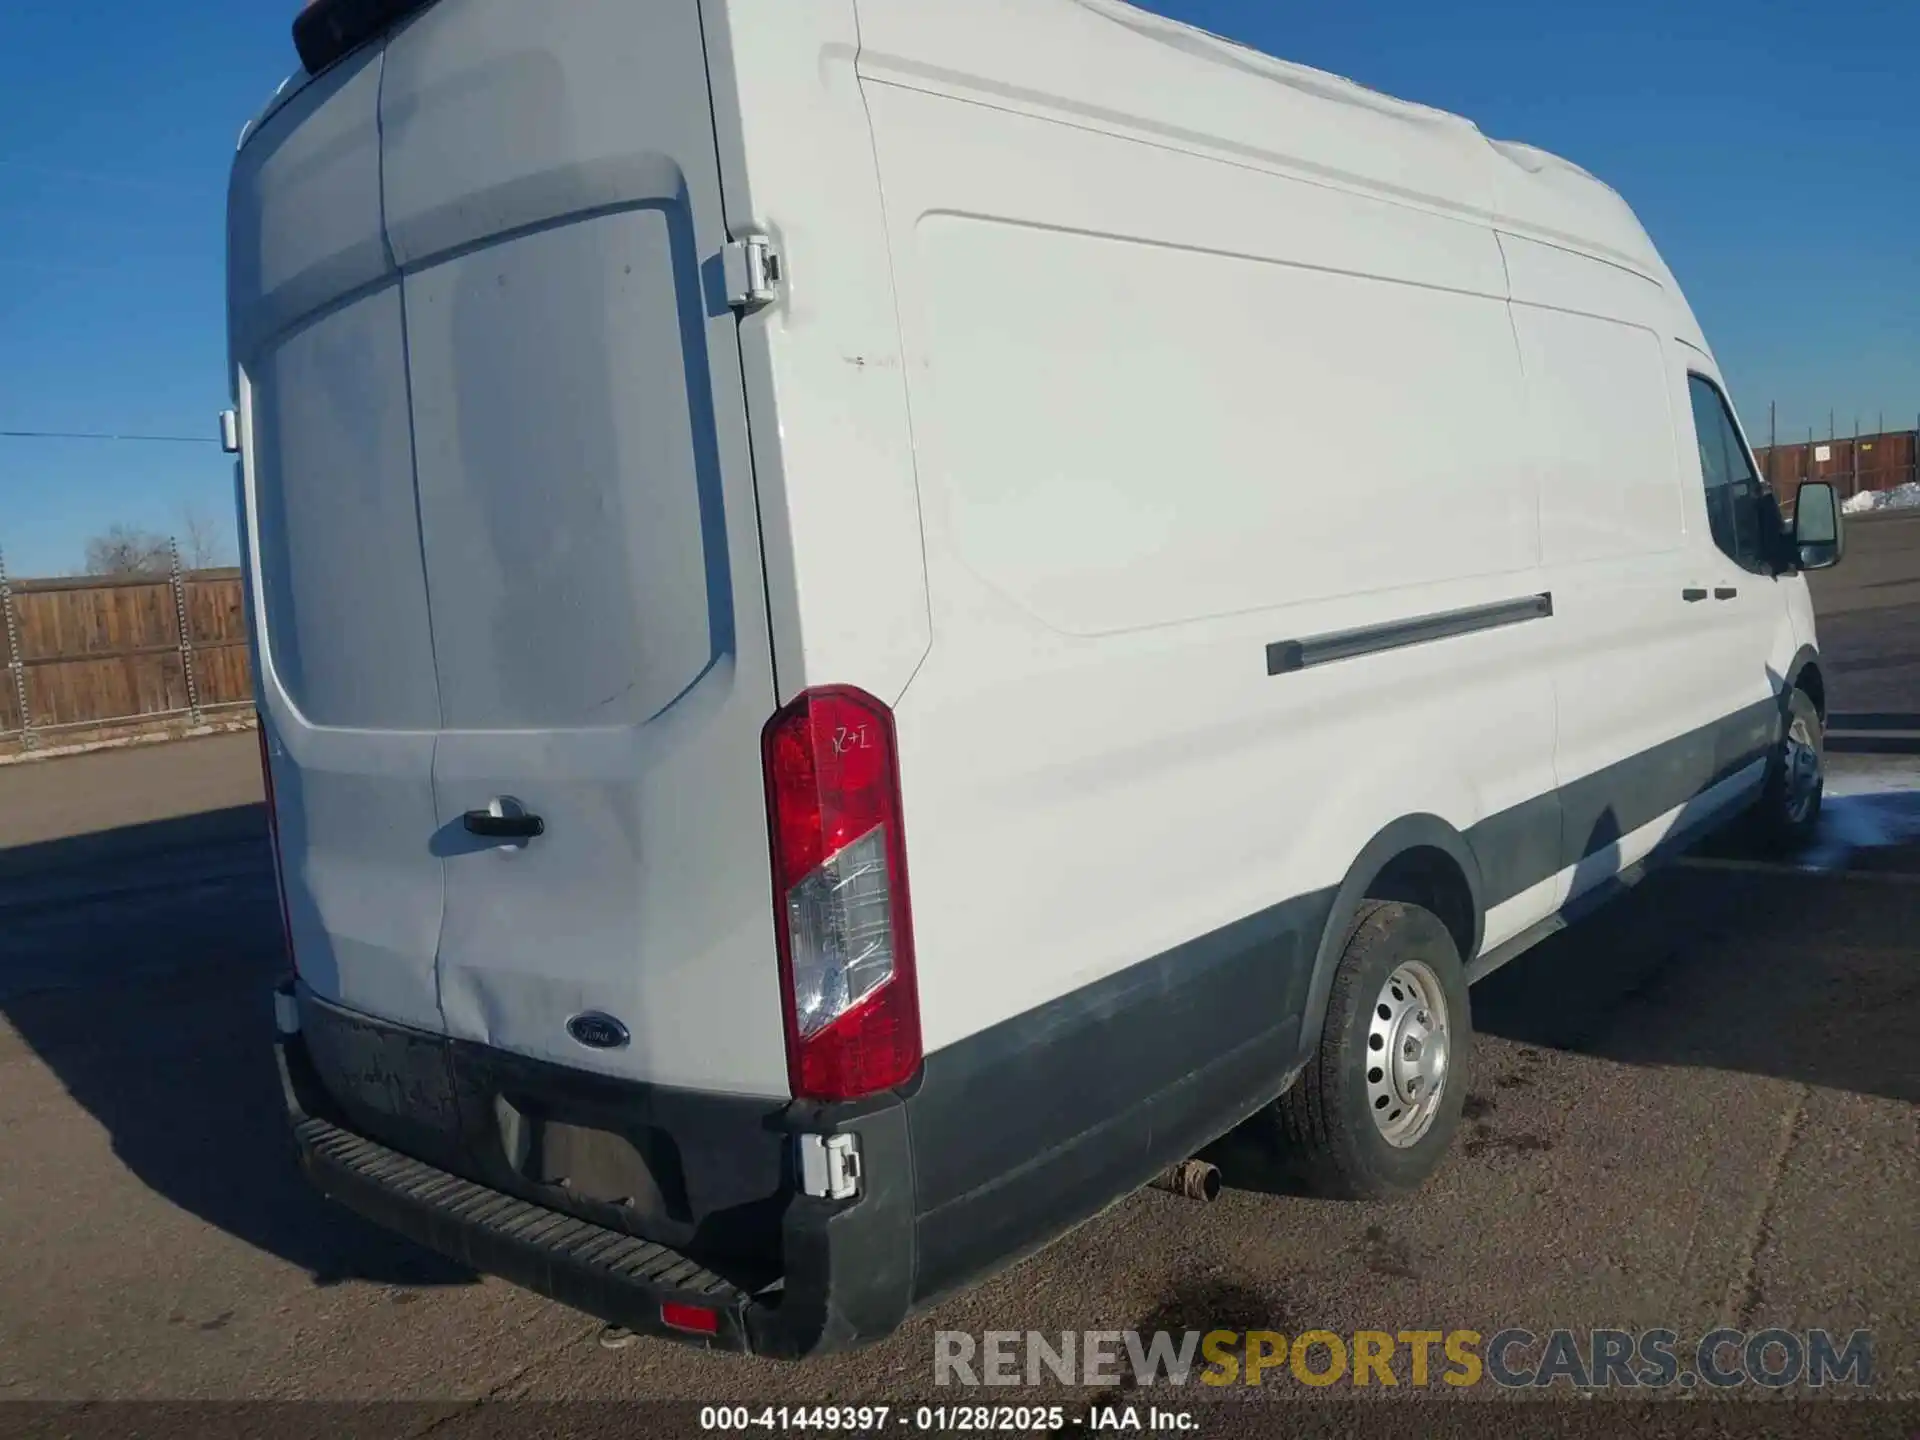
(1772, 148)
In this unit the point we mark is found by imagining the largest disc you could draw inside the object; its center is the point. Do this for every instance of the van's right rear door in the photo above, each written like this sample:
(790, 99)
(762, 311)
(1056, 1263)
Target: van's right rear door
(552, 193)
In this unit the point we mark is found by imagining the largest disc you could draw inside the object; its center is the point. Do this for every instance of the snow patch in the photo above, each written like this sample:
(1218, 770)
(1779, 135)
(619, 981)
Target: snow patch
(1900, 497)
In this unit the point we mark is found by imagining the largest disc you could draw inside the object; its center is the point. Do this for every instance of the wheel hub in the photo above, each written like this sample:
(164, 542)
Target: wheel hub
(1407, 1053)
(1803, 770)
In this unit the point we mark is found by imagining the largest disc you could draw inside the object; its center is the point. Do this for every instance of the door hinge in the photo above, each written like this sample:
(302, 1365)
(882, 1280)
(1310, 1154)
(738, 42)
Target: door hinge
(230, 432)
(752, 268)
(830, 1166)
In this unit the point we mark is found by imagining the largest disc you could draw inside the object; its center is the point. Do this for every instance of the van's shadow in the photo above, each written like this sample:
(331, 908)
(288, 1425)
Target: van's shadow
(1762, 971)
(1803, 977)
(138, 965)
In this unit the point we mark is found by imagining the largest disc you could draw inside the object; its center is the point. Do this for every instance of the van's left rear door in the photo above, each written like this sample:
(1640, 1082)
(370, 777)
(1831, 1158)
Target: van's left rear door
(349, 703)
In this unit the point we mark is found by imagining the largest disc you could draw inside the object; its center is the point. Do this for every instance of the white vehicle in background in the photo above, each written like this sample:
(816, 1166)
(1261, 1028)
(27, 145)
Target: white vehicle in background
(1245, 554)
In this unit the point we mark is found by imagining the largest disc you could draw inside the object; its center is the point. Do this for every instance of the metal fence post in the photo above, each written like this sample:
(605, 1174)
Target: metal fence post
(186, 633)
(17, 663)
(1773, 439)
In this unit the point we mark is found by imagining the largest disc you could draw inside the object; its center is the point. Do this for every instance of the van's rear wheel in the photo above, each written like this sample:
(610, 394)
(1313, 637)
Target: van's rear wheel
(1377, 1106)
(1789, 806)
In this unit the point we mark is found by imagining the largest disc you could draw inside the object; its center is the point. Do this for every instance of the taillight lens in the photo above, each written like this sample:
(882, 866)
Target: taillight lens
(273, 839)
(840, 895)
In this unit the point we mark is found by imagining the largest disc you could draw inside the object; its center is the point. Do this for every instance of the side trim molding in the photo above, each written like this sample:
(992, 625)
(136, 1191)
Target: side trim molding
(1286, 656)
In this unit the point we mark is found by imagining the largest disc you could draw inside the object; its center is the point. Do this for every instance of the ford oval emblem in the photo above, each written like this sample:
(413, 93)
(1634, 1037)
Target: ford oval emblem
(597, 1031)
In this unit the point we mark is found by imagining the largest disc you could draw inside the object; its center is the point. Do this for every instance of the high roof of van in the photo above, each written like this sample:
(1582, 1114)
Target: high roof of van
(1176, 84)
(1184, 80)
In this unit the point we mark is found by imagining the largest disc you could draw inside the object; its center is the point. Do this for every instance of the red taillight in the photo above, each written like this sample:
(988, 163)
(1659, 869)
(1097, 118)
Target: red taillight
(697, 1318)
(273, 839)
(840, 896)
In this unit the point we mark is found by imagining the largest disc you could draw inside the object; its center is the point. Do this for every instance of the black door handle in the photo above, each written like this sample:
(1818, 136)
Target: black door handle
(1724, 592)
(1693, 593)
(503, 827)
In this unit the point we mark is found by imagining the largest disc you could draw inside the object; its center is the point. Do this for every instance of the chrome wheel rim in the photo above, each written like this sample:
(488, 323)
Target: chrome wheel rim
(1803, 770)
(1407, 1053)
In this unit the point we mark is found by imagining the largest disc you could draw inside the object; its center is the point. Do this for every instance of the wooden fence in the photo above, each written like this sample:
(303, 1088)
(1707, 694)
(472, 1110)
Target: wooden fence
(1850, 464)
(91, 652)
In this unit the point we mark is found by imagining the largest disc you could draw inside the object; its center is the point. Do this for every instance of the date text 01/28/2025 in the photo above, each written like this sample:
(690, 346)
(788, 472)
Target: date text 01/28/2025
(878, 1419)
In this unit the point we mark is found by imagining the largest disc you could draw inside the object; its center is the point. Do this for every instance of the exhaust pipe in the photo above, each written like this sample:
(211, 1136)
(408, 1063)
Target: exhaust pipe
(1193, 1179)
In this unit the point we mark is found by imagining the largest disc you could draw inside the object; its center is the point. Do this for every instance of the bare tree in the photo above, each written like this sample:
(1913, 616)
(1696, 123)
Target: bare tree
(123, 550)
(204, 542)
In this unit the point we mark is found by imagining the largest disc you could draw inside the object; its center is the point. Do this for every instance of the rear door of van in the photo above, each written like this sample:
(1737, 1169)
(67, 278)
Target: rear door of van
(565, 553)
(349, 702)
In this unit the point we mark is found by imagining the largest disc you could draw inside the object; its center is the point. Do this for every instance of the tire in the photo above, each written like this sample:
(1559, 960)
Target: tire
(1335, 1147)
(1788, 810)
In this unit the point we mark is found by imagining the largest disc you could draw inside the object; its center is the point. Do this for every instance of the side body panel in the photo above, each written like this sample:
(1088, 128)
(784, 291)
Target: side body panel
(1172, 408)
(825, 377)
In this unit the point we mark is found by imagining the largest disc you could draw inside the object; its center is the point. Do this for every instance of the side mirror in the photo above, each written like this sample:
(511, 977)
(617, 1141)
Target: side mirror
(1816, 526)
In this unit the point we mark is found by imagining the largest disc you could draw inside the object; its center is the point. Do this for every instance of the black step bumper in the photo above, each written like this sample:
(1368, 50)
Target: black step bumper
(846, 1268)
(602, 1272)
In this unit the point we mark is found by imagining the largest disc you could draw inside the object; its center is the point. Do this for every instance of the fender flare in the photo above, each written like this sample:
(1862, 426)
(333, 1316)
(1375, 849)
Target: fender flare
(1410, 832)
(1803, 657)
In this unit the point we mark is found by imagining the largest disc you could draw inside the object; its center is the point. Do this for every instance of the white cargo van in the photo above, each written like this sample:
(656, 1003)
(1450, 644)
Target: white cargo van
(1244, 554)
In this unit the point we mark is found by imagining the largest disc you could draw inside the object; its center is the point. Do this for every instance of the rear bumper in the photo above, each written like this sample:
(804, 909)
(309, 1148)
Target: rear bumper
(1005, 1139)
(845, 1267)
(602, 1272)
